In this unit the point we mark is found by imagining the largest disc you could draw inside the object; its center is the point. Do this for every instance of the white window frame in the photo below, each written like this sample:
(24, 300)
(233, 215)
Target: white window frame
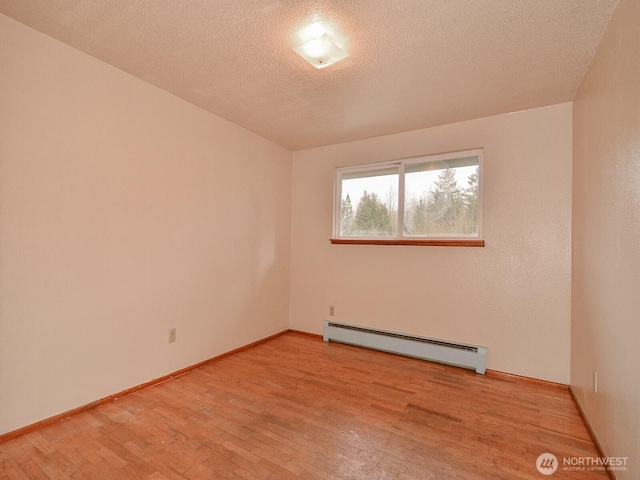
(401, 238)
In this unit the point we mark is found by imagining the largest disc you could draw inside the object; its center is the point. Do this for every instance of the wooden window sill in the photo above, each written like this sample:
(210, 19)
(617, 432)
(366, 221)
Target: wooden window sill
(408, 241)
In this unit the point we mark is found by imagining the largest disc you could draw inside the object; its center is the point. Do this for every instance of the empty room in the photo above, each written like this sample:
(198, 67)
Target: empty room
(319, 239)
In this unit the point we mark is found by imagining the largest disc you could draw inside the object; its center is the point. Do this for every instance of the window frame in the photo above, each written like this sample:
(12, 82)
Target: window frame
(401, 238)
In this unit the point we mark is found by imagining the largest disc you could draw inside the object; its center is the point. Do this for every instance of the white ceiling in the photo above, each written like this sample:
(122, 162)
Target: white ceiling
(413, 63)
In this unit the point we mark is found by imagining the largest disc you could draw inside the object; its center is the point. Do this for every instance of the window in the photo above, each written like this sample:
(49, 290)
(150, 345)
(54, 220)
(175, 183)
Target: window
(430, 200)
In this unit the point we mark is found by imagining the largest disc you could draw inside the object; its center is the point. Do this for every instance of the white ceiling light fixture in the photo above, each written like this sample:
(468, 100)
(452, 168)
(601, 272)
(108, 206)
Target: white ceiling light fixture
(321, 51)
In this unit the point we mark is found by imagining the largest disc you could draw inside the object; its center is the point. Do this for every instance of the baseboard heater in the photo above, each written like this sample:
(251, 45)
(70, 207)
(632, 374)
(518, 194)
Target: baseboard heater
(458, 354)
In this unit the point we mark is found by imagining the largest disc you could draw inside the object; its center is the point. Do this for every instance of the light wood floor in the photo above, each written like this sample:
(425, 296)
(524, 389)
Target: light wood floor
(296, 407)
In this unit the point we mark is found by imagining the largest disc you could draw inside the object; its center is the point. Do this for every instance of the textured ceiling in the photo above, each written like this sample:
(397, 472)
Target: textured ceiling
(413, 63)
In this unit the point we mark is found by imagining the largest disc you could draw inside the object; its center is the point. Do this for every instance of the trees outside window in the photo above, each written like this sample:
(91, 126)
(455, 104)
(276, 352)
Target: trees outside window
(427, 197)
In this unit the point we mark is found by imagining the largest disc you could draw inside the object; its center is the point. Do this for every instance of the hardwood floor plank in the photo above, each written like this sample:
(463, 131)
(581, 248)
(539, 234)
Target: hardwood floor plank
(12, 470)
(297, 407)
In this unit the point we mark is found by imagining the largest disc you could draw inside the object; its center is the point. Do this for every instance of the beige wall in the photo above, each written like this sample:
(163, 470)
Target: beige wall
(125, 211)
(512, 296)
(606, 239)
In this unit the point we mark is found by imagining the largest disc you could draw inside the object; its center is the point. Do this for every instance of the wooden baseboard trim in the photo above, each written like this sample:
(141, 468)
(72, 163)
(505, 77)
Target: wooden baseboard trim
(594, 439)
(510, 377)
(70, 413)
(307, 334)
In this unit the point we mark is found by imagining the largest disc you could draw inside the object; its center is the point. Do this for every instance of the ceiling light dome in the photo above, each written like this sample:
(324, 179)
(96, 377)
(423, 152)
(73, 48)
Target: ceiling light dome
(321, 51)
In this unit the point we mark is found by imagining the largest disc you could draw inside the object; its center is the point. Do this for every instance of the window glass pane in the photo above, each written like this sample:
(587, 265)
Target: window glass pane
(369, 205)
(441, 198)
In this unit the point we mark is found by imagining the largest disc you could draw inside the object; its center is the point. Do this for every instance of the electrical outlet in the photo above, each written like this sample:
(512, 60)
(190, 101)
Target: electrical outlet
(595, 382)
(172, 335)
(332, 311)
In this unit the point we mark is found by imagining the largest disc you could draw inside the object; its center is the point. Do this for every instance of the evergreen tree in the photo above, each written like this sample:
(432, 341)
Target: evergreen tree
(445, 203)
(346, 222)
(372, 216)
(470, 196)
(420, 225)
